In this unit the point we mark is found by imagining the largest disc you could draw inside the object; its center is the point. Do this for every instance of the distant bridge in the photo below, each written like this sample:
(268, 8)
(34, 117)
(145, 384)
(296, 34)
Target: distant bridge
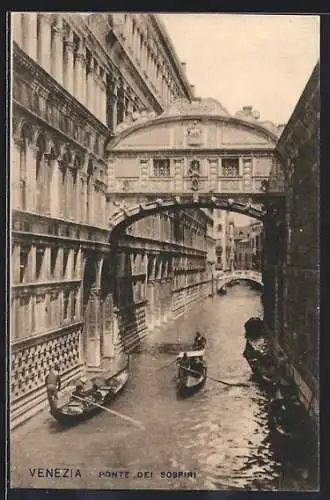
(223, 278)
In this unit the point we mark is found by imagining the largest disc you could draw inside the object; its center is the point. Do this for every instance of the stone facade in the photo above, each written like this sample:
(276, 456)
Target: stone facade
(295, 314)
(76, 79)
(224, 228)
(248, 246)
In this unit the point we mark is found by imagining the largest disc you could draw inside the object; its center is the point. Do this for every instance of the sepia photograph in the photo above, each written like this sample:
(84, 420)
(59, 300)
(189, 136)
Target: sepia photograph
(164, 246)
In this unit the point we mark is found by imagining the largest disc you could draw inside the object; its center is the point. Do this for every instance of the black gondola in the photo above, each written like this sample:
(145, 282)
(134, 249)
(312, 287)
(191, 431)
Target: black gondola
(289, 424)
(288, 419)
(192, 372)
(258, 354)
(89, 402)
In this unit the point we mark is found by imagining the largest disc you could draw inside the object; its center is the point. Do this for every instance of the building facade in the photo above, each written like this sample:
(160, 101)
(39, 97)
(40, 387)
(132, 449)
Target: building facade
(224, 230)
(248, 246)
(76, 80)
(294, 315)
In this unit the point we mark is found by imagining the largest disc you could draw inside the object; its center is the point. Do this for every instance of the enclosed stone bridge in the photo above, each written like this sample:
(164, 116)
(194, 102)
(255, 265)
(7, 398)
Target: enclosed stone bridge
(193, 155)
(223, 278)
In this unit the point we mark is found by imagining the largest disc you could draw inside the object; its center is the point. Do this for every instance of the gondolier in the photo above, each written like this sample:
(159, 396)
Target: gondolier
(199, 341)
(192, 371)
(53, 385)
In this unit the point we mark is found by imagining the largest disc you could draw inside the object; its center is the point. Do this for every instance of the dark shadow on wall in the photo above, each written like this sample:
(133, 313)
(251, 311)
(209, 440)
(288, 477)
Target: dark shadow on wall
(124, 307)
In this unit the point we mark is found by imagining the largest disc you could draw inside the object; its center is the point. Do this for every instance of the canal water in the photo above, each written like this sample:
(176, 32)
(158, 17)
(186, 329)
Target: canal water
(220, 435)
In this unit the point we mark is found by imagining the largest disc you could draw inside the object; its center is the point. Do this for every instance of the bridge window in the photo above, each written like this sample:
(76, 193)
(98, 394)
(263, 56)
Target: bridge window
(161, 167)
(230, 167)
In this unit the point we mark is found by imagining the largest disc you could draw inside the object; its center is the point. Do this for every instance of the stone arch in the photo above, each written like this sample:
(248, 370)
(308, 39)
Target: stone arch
(25, 131)
(125, 217)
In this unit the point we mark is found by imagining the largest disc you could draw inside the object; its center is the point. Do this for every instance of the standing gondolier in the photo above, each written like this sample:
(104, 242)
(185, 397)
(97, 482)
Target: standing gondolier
(53, 385)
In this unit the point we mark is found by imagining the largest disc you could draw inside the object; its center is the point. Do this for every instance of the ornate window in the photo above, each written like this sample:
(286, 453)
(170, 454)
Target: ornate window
(161, 167)
(230, 167)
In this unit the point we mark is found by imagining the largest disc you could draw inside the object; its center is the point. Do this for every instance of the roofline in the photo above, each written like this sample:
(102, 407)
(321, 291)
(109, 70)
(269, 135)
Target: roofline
(168, 44)
(174, 118)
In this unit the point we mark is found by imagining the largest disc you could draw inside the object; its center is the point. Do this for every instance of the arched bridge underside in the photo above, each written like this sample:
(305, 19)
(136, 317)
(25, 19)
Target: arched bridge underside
(248, 275)
(125, 216)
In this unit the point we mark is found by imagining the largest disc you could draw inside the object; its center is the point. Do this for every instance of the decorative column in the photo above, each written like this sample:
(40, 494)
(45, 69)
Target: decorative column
(30, 34)
(90, 83)
(92, 323)
(31, 157)
(99, 97)
(112, 106)
(68, 63)
(96, 89)
(55, 189)
(57, 52)
(16, 26)
(79, 73)
(103, 102)
(78, 200)
(44, 41)
(15, 172)
(83, 197)
(108, 344)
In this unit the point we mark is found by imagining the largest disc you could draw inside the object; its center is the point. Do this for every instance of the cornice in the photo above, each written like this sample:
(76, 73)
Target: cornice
(174, 61)
(65, 137)
(203, 118)
(201, 153)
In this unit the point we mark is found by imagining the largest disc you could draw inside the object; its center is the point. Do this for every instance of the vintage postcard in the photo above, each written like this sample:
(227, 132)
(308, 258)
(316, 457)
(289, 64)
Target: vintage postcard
(164, 180)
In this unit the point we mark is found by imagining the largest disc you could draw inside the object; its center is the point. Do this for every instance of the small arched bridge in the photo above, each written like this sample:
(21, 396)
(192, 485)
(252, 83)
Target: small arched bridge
(223, 278)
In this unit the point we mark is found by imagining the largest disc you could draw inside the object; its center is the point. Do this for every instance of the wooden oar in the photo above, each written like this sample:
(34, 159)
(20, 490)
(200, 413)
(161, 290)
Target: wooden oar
(124, 417)
(215, 379)
(165, 366)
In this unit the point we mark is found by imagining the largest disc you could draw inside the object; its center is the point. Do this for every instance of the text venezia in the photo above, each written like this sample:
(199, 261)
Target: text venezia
(67, 473)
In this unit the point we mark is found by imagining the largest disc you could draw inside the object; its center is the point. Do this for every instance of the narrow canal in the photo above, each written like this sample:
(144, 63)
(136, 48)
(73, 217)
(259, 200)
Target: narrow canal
(220, 433)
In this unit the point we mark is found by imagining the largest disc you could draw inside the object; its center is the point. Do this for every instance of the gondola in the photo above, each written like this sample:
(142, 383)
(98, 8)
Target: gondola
(90, 401)
(289, 426)
(288, 420)
(192, 372)
(259, 357)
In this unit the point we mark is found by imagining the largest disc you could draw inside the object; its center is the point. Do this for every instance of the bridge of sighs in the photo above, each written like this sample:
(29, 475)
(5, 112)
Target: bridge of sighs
(166, 176)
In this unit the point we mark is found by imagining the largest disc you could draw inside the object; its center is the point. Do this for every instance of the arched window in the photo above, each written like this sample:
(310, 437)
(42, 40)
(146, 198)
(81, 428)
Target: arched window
(40, 173)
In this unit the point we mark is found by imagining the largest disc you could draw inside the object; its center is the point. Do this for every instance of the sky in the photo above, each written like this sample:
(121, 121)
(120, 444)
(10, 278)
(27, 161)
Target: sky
(259, 60)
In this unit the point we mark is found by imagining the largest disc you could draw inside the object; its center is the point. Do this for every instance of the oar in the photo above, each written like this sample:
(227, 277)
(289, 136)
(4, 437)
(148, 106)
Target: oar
(165, 366)
(124, 417)
(215, 379)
